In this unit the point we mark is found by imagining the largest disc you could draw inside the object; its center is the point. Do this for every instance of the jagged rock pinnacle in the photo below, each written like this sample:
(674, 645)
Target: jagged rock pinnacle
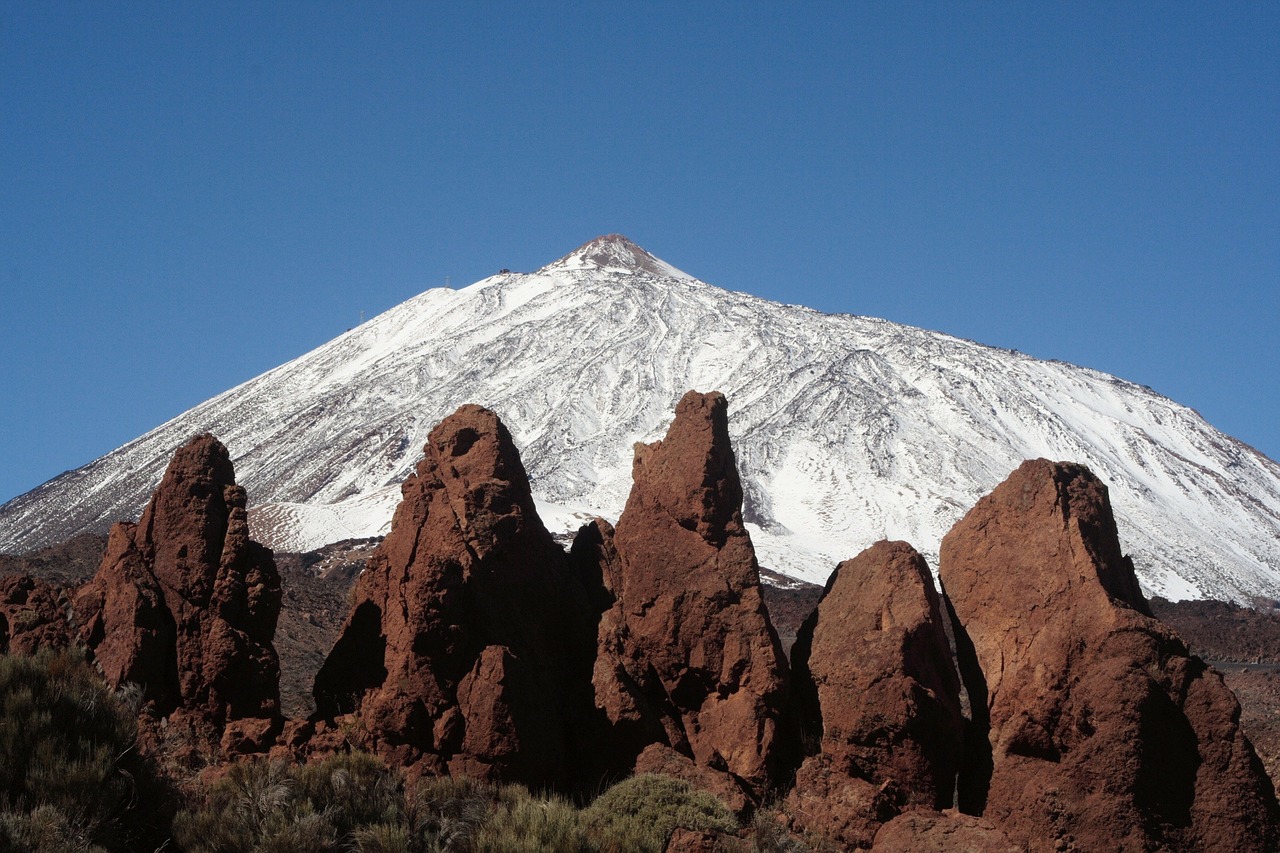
(615, 252)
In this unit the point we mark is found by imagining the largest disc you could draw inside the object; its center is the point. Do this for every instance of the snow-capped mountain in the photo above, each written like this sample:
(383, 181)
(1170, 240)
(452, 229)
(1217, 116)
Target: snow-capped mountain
(847, 429)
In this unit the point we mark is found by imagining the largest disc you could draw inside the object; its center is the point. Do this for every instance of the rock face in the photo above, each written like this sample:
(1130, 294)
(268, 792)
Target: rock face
(468, 647)
(1102, 732)
(185, 604)
(875, 678)
(949, 832)
(687, 656)
(33, 616)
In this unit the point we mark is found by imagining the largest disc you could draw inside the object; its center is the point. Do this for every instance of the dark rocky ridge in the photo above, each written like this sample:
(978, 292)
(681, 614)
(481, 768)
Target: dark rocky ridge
(1223, 632)
(71, 562)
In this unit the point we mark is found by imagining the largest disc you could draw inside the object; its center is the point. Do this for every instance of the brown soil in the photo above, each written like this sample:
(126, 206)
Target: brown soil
(316, 590)
(789, 604)
(70, 562)
(1219, 632)
(1243, 644)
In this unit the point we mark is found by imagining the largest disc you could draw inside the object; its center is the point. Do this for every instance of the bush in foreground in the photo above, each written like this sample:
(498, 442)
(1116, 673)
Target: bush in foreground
(71, 778)
(353, 802)
(641, 813)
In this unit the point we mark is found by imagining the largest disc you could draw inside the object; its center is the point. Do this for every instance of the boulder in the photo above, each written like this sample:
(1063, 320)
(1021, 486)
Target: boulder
(468, 647)
(923, 831)
(687, 656)
(33, 616)
(185, 604)
(1101, 731)
(875, 678)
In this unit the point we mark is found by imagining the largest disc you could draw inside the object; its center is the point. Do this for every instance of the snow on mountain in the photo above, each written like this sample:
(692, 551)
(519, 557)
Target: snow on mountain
(848, 429)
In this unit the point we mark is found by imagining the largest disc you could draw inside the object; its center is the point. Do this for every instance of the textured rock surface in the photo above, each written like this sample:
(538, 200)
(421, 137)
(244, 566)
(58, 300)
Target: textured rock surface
(932, 832)
(185, 604)
(687, 656)
(877, 684)
(33, 616)
(469, 642)
(662, 759)
(1104, 734)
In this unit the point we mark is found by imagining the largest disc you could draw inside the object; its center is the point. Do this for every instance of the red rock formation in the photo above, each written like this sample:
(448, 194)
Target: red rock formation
(687, 656)
(932, 832)
(1104, 733)
(185, 605)
(876, 669)
(33, 616)
(468, 647)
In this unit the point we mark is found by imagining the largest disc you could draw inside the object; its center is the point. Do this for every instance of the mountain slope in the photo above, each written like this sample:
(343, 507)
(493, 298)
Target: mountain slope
(847, 429)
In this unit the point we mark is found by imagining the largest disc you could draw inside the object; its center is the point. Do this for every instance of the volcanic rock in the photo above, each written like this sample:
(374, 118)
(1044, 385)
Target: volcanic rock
(184, 604)
(33, 616)
(874, 675)
(469, 642)
(1103, 733)
(687, 655)
(924, 831)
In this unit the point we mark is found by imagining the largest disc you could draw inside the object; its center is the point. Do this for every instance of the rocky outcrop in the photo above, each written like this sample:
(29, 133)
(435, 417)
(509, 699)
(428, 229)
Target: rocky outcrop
(33, 616)
(1102, 732)
(185, 605)
(923, 831)
(874, 675)
(687, 656)
(468, 648)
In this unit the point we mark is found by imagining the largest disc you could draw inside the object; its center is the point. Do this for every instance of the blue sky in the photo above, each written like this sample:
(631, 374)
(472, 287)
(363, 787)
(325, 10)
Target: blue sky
(195, 193)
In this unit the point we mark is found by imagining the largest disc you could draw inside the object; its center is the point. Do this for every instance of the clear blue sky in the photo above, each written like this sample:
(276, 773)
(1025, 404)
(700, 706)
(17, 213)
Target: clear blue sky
(193, 193)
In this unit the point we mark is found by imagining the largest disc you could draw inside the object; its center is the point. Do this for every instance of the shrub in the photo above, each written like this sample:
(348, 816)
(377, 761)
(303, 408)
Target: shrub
(384, 838)
(640, 813)
(270, 807)
(43, 830)
(520, 823)
(769, 832)
(253, 808)
(446, 813)
(352, 790)
(70, 774)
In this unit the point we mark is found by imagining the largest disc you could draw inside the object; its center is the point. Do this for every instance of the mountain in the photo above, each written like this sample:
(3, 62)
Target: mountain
(847, 429)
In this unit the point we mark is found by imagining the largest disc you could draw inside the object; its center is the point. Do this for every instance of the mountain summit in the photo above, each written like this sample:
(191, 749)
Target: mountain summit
(614, 253)
(846, 429)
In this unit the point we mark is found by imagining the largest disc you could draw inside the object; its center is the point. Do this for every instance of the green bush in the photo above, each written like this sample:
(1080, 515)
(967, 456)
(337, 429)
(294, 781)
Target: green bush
(351, 802)
(270, 807)
(43, 830)
(383, 838)
(521, 823)
(640, 814)
(447, 813)
(71, 777)
(351, 790)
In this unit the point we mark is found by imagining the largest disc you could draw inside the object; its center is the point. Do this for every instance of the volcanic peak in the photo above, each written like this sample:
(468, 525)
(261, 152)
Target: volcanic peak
(614, 253)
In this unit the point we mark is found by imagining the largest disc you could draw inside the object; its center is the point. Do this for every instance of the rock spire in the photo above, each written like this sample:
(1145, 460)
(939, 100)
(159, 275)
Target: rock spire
(689, 672)
(468, 646)
(185, 605)
(1101, 730)
(875, 676)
